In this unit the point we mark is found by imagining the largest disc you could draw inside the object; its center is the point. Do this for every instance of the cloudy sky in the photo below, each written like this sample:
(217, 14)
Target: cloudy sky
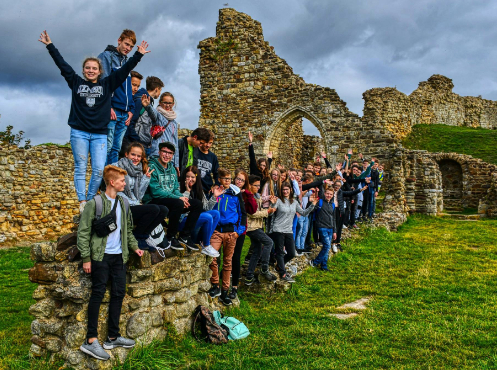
(350, 46)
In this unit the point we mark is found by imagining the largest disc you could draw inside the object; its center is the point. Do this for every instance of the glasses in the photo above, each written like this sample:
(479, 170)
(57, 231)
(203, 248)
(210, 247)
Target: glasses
(225, 178)
(256, 186)
(166, 152)
(166, 103)
(239, 179)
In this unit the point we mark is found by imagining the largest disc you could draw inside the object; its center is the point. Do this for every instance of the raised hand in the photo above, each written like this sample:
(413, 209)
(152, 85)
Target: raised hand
(149, 173)
(270, 155)
(280, 167)
(250, 137)
(338, 167)
(142, 48)
(349, 151)
(44, 38)
(145, 100)
(273, 199)
(323, 154)
(360, 155)
(217, 191)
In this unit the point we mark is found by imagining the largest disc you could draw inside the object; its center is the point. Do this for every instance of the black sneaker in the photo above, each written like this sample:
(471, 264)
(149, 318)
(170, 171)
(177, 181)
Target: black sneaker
(186, 241)
(325, 269)
(175, 244)
(307, 250)
(339, 247)
(215, 291)
(225, 299)
(268, 276)
(249, 280)
(234, 293)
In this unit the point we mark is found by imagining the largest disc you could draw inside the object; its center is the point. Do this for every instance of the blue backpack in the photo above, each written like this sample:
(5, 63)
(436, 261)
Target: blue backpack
(236, 328)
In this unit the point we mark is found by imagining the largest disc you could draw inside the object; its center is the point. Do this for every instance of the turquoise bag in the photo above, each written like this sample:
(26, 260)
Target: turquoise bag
(236, 328)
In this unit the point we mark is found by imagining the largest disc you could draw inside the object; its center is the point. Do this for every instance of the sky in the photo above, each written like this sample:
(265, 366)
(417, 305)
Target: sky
(351, 46)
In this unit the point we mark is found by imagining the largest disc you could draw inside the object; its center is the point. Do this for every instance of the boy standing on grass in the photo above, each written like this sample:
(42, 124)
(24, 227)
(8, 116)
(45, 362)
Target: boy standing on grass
(104, 258)
(326, 225)
(122, 105)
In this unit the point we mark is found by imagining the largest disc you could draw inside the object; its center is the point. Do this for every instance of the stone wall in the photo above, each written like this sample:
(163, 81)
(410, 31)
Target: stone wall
(37, 196)
(161, 296)
(311, 147)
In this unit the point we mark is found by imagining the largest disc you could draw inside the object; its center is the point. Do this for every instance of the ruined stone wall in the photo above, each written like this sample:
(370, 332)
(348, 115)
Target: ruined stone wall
(37, 195)
(246, 86)
(311, 147)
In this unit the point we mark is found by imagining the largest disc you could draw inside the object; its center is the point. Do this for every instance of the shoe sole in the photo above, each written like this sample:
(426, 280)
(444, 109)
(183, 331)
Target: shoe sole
(177, 248)
(214, 296)
(226, 304)
(249, 284)
(210, 255)
(270, 279)
(90, 353)
(116, 345)
(194, 248)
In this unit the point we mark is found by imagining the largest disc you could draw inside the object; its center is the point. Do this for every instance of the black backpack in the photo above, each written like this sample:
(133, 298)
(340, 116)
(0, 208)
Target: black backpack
(204, 327)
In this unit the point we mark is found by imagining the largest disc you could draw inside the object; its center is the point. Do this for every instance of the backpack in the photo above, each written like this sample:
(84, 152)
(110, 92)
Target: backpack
(143, 126)
(211, 332)
(236, 328)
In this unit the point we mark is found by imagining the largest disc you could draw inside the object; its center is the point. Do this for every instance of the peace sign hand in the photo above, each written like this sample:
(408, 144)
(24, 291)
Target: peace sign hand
(142, 48)
(44, 38)
(149, 173)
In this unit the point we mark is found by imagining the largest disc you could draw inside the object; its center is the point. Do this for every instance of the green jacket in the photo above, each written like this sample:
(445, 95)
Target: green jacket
(91, 246)
(163, 182)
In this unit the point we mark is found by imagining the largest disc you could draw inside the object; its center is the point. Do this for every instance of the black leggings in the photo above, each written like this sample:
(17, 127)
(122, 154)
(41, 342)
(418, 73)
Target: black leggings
(282, 243)
(146, 217)
(176, 208)
(339, 225)
(235, 262)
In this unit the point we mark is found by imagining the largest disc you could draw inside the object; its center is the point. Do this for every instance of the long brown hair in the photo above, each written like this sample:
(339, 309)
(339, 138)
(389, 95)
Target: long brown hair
(246, 185)
(286, 184)
(265, 172)
(271, 183)
(197, 189)
(144, 159)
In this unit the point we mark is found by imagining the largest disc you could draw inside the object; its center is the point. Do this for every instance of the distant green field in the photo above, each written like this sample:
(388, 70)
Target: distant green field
(477, 142)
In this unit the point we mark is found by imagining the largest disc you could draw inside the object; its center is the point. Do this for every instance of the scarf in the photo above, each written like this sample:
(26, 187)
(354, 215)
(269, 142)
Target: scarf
(133, 171)
(168, 114)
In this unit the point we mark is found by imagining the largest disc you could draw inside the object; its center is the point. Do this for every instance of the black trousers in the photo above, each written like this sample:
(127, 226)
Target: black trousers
(176, 207)
(235, 262)
(283, 242)
(147, 217)
(352, 210)
(365, 203)
(110, 267)
(339, 225)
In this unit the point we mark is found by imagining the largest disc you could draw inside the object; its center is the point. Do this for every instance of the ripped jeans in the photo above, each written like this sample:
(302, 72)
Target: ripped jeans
(82, 143)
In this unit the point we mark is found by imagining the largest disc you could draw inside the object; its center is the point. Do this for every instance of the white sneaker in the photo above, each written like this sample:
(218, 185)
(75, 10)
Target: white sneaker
(151, 242)
(210, 251)
(334, 249)
(82, 206)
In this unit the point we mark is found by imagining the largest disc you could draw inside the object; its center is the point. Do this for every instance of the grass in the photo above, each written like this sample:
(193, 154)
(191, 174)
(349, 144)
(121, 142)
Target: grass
(433, 293)
(477, 142)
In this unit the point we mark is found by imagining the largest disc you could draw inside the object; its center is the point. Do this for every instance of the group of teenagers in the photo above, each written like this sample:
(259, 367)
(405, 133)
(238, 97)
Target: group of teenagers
(152, 179)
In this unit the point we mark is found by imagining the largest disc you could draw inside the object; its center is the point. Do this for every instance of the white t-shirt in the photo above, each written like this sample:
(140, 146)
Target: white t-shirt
(113, 245)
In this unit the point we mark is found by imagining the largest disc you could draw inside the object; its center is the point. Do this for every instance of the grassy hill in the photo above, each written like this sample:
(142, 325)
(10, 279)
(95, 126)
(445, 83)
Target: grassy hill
(477, 142)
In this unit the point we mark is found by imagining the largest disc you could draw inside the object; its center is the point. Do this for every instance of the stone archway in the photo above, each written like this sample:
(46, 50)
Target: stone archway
(285, 138)
(452, 184)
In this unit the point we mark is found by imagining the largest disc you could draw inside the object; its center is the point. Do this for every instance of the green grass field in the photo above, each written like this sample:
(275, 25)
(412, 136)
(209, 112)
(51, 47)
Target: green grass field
(433, 292)
(477, 142)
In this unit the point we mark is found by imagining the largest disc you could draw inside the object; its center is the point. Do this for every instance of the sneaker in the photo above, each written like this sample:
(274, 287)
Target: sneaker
(287, 279)
(334, 249)
(95, 350)
(268, 276)
(249, 280)
(339, 246)
(307, 250)
(325, 269)
(186, 241)
(215, 291)
(311, 263)
(151, 242)
(210, 251)
(119, 342)
(225, 299)
(175, 244)
(234, 293)
(82, 206)
(345, 227)
(299, 252)
(291, 269)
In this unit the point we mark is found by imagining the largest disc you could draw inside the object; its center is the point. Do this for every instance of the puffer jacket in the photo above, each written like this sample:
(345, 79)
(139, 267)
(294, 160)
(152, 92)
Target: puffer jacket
(256, 220)
(90, 245)
(232, 209)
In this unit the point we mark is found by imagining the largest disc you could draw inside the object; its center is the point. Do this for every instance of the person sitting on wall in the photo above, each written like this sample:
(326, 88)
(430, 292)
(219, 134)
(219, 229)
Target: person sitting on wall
(105, 257)
(208, 164)
(188, 148)
(164, 190)
(89, 116)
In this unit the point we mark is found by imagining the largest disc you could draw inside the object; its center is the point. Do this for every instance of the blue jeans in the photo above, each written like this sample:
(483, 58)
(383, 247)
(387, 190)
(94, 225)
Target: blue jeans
(205, 226)
(371, 202)
(326, 237)
(82, 143)
(302, 229)
(115, 134)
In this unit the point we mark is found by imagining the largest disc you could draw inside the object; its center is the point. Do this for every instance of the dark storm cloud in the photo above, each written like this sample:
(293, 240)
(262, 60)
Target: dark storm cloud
(350, 46)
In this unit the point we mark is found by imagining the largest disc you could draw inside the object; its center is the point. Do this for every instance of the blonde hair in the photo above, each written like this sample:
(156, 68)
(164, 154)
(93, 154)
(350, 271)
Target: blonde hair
(112, 173)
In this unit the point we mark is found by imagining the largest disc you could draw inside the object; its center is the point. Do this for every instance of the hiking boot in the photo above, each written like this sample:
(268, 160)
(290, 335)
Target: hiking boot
(268, 276)
(210, 251)
(225, 299)
(95, 350)
(234, 293)
(249, 280)
(119, 342)
(215, 291)
(175, 244)
(186, 241)
(287, 279)
(334, 249)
